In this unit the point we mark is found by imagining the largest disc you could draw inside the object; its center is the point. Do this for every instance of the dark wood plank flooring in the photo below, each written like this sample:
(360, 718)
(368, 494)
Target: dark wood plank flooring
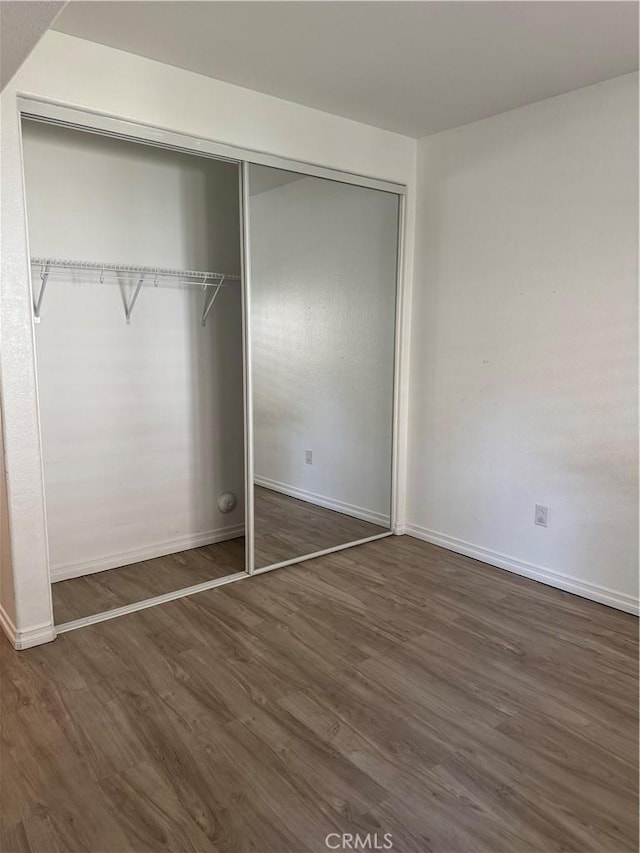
(392, 688)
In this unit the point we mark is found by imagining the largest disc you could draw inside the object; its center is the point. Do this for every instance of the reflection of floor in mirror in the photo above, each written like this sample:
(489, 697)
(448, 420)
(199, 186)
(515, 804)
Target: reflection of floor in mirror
(80, 597)
(287, 527)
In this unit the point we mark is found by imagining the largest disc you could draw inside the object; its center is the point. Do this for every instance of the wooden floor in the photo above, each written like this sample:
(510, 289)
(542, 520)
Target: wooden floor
(392, 688)
(284, 528)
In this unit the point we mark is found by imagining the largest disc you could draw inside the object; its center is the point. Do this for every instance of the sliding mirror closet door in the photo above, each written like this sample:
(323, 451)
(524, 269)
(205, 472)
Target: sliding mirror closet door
(138, 308)
(322, 292)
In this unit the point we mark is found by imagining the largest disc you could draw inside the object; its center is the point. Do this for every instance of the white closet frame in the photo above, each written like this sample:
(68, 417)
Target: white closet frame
(61, 115)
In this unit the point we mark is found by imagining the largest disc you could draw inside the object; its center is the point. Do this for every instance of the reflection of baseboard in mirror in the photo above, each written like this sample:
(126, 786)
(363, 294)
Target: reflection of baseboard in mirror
(323, 501)
(79, 568)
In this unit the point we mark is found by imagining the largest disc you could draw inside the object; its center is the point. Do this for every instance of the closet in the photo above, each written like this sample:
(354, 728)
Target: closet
(216, 357)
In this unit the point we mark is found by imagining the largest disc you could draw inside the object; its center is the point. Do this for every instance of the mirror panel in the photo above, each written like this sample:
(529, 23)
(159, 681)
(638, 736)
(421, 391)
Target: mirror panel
(322, 289)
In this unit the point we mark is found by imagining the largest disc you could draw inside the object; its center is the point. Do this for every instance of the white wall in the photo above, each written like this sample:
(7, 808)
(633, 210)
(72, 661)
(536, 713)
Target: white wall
(323, 269)
(524, 359)
(142, 424)
(94, 77)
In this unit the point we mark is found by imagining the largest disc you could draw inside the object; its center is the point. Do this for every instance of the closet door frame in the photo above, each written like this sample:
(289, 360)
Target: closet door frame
(108, 125)
(249, 537)
(62, 115)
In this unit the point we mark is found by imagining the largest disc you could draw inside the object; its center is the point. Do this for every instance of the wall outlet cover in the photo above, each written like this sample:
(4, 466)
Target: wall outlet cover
(542, 515)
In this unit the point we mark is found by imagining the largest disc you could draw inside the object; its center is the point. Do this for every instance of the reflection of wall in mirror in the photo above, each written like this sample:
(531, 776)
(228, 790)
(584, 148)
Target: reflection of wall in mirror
(323, 265)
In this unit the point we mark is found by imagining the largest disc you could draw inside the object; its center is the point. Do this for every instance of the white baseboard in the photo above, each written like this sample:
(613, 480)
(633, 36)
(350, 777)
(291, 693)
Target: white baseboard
(328, 503)
(592, 591)
(44, 633)
(66, 571)
(7, 626)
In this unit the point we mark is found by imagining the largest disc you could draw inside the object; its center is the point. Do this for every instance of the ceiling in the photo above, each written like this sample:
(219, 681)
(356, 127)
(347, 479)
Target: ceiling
(412, 67)
(22, 25)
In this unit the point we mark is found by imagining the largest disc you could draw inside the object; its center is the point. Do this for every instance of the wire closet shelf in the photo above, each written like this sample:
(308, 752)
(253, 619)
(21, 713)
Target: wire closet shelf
(211, 282)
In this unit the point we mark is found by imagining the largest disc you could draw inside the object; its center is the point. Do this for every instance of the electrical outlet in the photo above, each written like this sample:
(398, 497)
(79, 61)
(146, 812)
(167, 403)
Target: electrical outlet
(542, 515)
(308, 457)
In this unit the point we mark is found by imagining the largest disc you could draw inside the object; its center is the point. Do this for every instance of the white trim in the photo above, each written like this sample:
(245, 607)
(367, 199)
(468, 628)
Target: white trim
(395, 472)
(66, 571)
(20, 640)
(26, 639)
(92, 121)
(247, 369)
(586, 589)
(323, 553)
(148, 602)
(320, 500)
(402, 402)
(7, 625)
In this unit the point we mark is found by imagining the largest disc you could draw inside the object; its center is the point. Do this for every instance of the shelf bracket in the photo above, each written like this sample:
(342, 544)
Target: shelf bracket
(37, 304)
(208, 305)
(129, 308)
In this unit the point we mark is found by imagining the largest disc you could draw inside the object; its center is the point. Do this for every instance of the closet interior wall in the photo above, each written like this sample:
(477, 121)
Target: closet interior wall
(142, 423)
